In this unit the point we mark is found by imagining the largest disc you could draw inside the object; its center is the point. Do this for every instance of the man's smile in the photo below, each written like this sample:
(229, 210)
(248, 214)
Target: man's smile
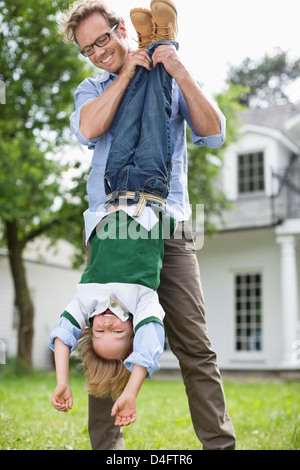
(105, 61)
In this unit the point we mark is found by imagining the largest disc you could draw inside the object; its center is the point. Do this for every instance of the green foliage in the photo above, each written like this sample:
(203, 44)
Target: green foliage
(29, 183)
(40, 71)
(73, 203)
(229, 102)
(266, 78)
(205, 186)
(203, 174)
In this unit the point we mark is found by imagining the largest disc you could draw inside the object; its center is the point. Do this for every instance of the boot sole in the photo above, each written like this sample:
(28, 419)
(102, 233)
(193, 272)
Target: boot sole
(140, 10)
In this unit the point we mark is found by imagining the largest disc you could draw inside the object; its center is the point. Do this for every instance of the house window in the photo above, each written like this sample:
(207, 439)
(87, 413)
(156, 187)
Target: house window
(251, 172)
(248, 312)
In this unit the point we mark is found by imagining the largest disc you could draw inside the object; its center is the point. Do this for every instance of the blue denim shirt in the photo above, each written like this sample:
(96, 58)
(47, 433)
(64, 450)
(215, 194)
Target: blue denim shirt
(178, 201)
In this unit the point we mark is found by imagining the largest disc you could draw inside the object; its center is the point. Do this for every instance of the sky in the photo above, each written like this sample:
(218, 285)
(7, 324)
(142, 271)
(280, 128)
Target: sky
(217, 32)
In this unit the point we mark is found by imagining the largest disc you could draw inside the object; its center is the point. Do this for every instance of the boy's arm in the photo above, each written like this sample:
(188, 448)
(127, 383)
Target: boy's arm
(125, 407)
(62, 398)
(148, 345)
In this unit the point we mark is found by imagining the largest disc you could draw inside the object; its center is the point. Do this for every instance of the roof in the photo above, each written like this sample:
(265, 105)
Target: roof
(258, 210)
(284, 118)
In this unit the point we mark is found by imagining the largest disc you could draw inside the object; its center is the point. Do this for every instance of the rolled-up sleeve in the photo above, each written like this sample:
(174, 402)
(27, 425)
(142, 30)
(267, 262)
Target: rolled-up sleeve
(75, 125)
(85, 93)
(67, 333)
(148, 346)
(212, 141)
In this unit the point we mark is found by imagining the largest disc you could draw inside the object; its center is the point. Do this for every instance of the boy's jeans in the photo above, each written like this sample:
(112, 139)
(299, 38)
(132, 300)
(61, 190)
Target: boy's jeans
(140, 156)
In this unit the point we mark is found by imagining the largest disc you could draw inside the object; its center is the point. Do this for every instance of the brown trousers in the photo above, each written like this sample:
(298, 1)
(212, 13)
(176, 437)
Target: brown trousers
(181, 296)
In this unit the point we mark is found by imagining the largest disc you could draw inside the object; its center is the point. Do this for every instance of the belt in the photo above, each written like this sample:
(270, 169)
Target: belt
(142, 199)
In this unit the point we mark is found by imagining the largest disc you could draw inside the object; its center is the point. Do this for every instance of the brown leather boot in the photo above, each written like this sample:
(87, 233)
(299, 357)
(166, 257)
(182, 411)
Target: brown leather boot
(164, 14)
(142, 21)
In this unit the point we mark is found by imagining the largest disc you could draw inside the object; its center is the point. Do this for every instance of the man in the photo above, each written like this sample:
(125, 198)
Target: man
(102, 36)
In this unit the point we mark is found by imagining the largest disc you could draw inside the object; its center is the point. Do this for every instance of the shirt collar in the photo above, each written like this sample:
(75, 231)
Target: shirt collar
(118, 310)
(105, 76)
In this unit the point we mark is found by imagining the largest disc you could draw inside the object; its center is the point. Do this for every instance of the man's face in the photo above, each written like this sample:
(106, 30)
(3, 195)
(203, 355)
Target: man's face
(113, 55)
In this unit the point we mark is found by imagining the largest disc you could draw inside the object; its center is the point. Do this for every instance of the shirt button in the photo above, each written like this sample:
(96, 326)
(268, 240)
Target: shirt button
(125, 314)
(113, 304)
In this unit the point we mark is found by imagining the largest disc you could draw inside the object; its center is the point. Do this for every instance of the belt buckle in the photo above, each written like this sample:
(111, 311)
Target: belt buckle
(122, 196)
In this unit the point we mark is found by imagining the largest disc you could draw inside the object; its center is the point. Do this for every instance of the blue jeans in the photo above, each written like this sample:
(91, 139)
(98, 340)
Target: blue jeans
(140, 158)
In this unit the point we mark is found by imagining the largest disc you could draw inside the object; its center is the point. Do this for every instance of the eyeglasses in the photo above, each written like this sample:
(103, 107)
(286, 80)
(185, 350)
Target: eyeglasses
(101, 41)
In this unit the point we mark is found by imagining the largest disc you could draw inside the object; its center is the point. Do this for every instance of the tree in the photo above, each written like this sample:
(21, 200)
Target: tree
(267, 78)
(40, 73)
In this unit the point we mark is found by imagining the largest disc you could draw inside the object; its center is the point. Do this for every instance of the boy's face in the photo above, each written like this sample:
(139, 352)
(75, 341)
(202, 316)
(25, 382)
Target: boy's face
(111, 336)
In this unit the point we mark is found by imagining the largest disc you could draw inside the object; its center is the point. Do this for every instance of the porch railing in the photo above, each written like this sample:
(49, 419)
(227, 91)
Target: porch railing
(285, 202)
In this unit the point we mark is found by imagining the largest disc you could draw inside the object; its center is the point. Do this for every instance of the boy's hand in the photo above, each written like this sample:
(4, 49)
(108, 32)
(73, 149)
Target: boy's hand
(62, 398)
(124, 409)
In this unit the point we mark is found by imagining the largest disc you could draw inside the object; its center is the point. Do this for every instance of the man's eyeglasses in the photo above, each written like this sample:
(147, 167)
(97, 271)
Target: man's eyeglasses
(101, 41)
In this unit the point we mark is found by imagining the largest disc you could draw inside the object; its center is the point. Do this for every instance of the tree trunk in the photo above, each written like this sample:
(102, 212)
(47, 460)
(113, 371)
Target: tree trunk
(22, 295)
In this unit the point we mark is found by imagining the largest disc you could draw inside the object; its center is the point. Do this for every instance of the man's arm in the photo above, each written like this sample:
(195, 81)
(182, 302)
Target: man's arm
(96, 116)
(62, 398)
(125, 407)
(205, 118)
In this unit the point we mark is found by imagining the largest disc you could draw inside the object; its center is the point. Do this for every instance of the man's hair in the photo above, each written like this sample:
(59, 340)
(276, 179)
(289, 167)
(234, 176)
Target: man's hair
(104, 377)
(81, 10)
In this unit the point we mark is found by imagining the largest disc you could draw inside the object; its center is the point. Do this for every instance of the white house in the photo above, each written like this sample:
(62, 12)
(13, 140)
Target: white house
(250, 270)
(52, 283)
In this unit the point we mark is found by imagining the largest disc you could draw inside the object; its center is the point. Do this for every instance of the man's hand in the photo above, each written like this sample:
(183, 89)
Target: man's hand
(167, 55)
(135, 58)
(125, 409)
(62, 398)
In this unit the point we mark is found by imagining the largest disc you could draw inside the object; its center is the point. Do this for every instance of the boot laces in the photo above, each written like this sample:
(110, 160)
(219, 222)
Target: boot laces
(163, 32)
(143, 40)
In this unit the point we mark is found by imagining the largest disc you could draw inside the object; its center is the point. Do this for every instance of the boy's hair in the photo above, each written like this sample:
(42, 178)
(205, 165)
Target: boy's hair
(79, 11)
(104, 377)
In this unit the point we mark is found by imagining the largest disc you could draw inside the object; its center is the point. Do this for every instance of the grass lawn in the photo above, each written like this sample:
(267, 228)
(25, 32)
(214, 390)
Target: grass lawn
(266, 416)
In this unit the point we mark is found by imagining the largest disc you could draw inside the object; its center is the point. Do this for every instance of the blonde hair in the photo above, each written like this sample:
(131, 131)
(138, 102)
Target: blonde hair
(104, 377)
(79, 11)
